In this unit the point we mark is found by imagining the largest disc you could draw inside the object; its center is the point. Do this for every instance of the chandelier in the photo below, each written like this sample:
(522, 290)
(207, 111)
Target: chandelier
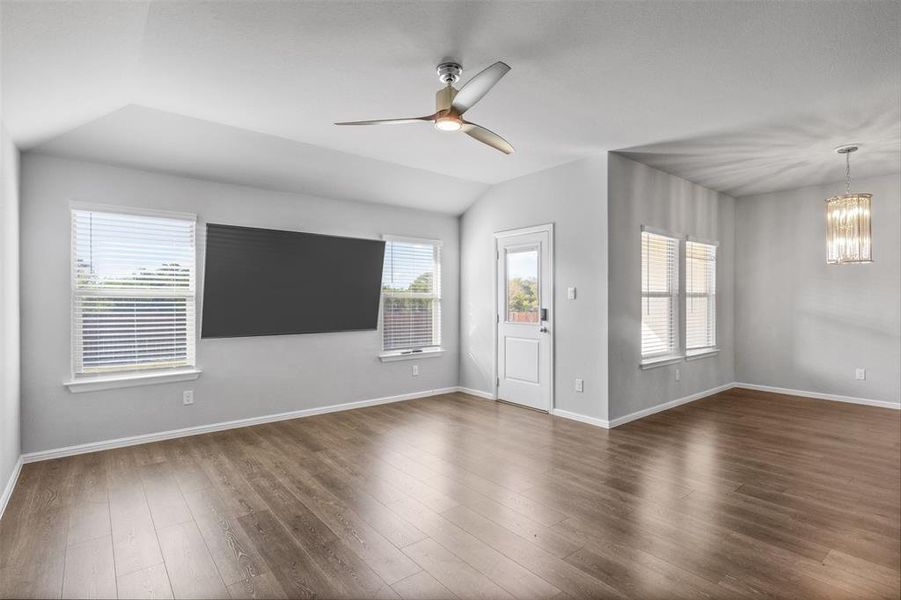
(848, 231)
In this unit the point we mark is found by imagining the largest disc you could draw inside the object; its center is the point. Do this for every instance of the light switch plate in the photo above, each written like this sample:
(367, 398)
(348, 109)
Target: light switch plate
(860, 374)
(570, 293)
(579, 384)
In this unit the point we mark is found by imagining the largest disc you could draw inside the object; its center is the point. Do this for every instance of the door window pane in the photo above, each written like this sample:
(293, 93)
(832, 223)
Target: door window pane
(522, 285)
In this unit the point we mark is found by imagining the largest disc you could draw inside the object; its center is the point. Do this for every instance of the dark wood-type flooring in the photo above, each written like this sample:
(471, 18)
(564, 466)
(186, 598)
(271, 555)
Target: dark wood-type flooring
(740, 495)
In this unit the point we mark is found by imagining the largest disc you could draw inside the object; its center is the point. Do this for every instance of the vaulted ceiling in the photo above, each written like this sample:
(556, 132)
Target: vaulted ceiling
(737, 88)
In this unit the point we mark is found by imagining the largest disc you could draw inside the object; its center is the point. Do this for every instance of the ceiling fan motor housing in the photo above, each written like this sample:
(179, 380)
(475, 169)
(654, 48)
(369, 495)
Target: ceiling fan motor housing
(449, 72)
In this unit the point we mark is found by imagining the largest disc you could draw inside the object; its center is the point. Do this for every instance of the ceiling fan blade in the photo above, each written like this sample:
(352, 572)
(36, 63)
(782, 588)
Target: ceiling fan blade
(478, 86)
(487, 137)
(427, 119)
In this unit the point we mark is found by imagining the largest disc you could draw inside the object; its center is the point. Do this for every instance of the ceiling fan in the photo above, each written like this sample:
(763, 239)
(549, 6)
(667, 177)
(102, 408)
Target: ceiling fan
(450, 104)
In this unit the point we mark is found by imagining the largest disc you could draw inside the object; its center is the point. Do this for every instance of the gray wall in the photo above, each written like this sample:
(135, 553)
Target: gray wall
(805, 325)
(242, 377)
(573, 197)
(9, 307)
(639, 195)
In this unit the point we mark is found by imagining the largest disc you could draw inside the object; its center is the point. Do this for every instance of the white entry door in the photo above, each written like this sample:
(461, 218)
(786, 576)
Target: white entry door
(525, 314)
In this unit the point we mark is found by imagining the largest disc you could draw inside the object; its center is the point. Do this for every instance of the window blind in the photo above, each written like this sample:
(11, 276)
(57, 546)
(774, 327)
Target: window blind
(700, 298)
(411, 295)
(659, 295)
(133, 292)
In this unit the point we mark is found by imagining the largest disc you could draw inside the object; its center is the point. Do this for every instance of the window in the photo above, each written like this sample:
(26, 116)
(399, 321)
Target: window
(133, 292)
(522, 284)
(700, 296)
(659, 295)
(411, 296)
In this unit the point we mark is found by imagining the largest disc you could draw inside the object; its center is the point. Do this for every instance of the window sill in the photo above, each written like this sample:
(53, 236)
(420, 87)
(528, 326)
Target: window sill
(110, 382)
(660, 361)
(696, 354)
(395, 356)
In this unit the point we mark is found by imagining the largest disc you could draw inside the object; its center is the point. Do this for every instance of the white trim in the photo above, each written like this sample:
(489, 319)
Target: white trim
(696, 354)
(477, 393)
(716, 390)
(524, 230)
(10, 485)
(660, 361)
(435, 296)
(697, 240)
(675, 295)
(31, 457)
(412, 240)
(668, 405)
(110, 382)
(189, 431)
(131, 210)
(819, 395)
(565, 414)
(411, 354)
(664, 232)
(498, 235)
(641, 413)
(190, 295)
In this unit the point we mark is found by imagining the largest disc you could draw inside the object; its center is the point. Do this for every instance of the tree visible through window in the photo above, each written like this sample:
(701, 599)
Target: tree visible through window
(133, 292)
(522, 285)
(411, 295)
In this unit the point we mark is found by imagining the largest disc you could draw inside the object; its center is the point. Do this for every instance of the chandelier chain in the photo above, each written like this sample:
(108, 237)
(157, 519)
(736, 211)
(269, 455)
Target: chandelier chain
(848, 171)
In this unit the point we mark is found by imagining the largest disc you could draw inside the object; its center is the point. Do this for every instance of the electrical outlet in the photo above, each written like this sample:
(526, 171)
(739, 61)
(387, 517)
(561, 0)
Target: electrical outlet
(678, 375)
(579, 384)
(415, 370)
(860, 374)
(571, 293)
(187, 397)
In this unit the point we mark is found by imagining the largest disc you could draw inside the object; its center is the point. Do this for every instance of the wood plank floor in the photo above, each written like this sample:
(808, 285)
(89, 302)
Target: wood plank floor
(740, 495)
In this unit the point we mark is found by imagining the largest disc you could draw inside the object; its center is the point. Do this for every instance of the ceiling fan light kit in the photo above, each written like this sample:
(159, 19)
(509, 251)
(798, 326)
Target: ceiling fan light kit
(450, 104)
(444, 98)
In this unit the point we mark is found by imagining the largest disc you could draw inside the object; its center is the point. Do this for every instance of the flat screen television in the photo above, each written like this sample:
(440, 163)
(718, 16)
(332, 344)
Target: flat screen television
(270, 282)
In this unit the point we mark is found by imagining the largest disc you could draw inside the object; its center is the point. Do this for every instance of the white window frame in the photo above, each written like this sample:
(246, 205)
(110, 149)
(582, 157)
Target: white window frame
(701, 351)
(424, 352)
(676, 354)
(79, 382)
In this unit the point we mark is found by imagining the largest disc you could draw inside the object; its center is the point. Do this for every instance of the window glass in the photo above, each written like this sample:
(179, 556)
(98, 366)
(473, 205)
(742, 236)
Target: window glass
(659, 295)
(522, 285)
(700, 298)
(411, 295)
(133, 292)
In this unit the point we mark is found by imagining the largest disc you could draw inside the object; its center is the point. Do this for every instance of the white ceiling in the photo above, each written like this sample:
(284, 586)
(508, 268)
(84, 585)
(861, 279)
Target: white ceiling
(767, 158)
(587, 77)
(149, 139)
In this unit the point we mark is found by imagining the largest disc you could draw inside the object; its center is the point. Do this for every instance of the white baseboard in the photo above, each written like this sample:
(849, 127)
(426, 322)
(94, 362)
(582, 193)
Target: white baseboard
(188, 431)
(641, 413)
(668, 405)
(479, 393)
(565, 414)
(10, 486)
(819, 395)
(691, 398)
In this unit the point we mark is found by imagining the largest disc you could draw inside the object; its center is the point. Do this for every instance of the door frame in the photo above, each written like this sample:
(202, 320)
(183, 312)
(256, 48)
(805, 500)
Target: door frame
(549, 304)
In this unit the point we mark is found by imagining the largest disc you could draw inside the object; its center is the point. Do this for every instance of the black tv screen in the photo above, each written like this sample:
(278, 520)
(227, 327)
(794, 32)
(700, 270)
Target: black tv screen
(269, 282)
